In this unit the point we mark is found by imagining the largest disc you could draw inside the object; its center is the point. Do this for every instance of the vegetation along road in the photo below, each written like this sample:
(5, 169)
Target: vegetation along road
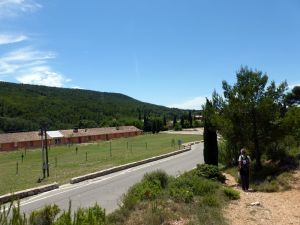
(108, 190)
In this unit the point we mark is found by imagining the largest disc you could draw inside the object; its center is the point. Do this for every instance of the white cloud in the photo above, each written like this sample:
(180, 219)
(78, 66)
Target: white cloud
(195, 103)
(42, 76)
(13, 8)
(9, 39)
(31, 66)
(77, 87)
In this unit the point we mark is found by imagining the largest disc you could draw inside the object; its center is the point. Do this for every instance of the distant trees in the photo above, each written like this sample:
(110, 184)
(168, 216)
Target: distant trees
(22, 106)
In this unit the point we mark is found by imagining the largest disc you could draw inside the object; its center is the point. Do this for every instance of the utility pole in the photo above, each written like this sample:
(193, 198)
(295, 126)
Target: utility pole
(46, 146)
(43, 154)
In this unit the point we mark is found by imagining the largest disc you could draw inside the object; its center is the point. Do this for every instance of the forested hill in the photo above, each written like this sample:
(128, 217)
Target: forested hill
(25, 107)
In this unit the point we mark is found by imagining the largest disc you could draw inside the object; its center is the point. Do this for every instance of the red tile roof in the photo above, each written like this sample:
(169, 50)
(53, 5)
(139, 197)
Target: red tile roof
(34, 135)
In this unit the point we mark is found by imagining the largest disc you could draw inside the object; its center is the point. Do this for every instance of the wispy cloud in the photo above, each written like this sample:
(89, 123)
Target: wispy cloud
(13, 8)
(195, 103)
(10, 39)
(31, 66)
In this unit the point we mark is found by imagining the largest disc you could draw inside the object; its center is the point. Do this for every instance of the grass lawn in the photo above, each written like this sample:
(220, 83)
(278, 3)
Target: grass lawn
(65, 163)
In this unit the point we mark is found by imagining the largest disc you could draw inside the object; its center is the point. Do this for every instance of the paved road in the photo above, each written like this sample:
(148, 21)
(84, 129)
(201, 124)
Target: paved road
(107, 190)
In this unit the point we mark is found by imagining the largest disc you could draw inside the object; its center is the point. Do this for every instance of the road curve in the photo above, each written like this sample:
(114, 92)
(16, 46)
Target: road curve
(108, 190)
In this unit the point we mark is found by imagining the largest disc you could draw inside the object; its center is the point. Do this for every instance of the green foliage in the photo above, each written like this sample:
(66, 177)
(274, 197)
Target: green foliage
(267, 186)
(227, 154)
(231, 194)
(159, 177)
(251, 113)
(210, 172)
(149, 188)
(197, 123)
(211, 201)
(23, 108)
(45, 216)
(177, 127)
(210, 151)
(49, 215)
(293, 98)
(182, 194)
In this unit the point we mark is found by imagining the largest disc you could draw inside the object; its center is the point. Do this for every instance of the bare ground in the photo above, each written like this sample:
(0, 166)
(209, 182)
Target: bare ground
(259, 208)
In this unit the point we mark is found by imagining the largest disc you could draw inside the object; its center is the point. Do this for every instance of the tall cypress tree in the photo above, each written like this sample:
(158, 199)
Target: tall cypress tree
(210, 135)
(190, 119)
(165, 121)
(174, 121)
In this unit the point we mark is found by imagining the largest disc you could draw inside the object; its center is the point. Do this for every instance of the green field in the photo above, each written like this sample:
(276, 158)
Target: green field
(65, 163)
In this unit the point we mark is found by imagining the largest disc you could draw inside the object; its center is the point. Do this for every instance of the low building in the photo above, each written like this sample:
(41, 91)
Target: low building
(28, 140)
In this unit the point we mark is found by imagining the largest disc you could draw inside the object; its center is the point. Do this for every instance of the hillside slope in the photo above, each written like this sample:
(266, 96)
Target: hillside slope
(25, 107)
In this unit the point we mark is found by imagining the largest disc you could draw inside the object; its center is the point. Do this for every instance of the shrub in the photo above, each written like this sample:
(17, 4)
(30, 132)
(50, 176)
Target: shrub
(210, 172)
(149, 188)
(267, 186)
(182, 194)
(231, 193)
(211, 201)
(158, 177)
(177, 127)
(44, 216)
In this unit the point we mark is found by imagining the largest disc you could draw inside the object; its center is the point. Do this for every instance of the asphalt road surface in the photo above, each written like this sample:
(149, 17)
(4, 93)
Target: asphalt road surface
(107, 191)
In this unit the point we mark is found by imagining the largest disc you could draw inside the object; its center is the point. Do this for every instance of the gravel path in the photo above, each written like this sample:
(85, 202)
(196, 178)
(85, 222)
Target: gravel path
(279, 208)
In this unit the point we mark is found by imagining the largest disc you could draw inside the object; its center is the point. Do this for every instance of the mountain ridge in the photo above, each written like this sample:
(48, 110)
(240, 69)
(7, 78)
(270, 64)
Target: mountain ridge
(26, 107)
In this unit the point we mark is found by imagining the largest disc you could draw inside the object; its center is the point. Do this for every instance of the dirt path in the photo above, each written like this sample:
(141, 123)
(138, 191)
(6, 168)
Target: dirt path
(280, 208)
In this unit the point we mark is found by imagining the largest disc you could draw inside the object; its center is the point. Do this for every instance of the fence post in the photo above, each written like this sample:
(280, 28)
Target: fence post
(17, 168)
(110, 153)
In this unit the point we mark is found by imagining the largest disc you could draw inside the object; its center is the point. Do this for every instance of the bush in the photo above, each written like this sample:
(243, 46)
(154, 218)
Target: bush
(210, 172)
(44, 216)
(47, 216)
(149, 188)
(177, 127)
(227, 154)
(231, 194)
(182, 194)
(158, 177)
(267, 186)
(211, 201)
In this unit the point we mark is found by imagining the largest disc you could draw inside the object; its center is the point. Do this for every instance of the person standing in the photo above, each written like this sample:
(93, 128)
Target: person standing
(244, 168)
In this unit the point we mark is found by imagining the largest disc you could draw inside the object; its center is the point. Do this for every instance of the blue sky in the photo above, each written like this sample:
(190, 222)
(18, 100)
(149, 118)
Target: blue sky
(167, 52)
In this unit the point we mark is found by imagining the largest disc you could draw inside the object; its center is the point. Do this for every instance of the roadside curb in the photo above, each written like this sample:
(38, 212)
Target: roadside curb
(27, 193)
(187, 147)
